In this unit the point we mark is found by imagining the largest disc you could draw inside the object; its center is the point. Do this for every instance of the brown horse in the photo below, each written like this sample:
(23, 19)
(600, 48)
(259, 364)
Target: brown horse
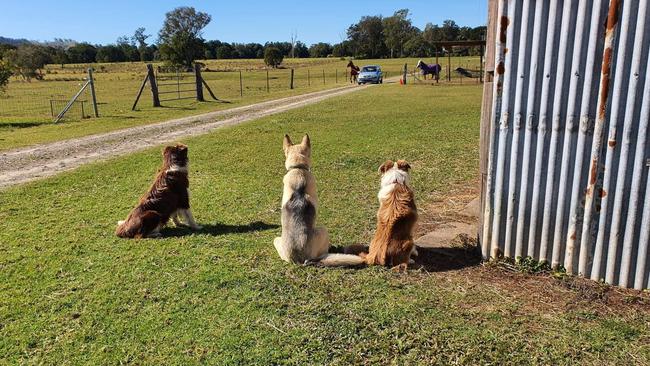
(354, 71)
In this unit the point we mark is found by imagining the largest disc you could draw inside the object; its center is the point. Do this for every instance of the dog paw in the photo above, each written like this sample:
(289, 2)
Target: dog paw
(401, 268)
(120, 222)
(197, 227)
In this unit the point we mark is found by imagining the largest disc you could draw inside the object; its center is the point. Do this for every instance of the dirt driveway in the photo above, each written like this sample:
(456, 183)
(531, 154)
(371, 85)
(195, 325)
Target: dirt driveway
(39, 161)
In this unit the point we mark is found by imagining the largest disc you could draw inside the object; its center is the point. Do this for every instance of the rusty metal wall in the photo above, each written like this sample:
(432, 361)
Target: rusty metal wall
(568, 154)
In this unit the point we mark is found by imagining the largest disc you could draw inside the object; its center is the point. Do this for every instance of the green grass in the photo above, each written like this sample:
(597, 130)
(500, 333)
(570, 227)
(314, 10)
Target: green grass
(73, 293)
(25, 114)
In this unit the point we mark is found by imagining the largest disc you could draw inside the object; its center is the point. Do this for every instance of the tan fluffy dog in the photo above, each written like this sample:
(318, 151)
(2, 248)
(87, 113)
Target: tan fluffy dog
(393, 243)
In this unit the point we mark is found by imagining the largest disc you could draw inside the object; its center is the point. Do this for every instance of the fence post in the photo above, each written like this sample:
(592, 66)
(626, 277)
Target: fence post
(404, 76)
(137, 98)
(480, 78)
(241, 86)
(267, 81)
(323, 76)
(199, 83)
(336, 76)
(291, 84)
(308, 78)
(154, 85)
(449, 66)
(92, 90)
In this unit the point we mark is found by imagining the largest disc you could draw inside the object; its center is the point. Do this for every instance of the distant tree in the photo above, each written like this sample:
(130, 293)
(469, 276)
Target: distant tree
(284, 47)
(110, 53)
(211, 49)
(5, 74)
(432, 33)
(149, 53)
(4, 48)
(320, 50)
(129, 49)
(82, 53)
(58, 55)
(301, 50)
(28, 60)
(450, 30)
(248, 50)
(397, 30)
(224, 51)
(342, 49)
(367, 37)
(140, 40)
(294, 39)
(273, 56)
(416, 46)
(180, 37)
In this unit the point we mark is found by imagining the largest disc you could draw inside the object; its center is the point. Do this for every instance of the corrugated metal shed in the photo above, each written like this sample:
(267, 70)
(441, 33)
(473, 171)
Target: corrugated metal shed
(567, 151)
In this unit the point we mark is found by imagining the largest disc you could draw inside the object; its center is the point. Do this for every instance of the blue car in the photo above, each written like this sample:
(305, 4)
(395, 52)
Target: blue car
(370, 74)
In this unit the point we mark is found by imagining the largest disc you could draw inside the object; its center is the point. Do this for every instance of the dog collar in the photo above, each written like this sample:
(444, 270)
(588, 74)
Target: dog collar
(299, 166)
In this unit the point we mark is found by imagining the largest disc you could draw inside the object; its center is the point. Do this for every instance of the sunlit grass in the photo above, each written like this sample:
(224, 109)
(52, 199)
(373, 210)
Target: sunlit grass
(73, 293)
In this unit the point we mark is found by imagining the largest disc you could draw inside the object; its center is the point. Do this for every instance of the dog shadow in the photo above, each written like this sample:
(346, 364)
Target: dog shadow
(431, 259)
(447, 258)
(218, 229)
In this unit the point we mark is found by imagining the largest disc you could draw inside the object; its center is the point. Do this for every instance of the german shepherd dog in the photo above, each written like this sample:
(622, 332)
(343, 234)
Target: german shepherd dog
(168, 197)
(393, 243)
(301, 241)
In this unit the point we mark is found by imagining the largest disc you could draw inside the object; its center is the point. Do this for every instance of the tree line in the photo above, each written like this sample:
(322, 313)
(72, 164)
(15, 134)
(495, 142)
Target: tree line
(180, 42)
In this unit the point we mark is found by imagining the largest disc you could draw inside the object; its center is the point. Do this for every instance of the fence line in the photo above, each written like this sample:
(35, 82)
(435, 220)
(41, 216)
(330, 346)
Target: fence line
(34, 101)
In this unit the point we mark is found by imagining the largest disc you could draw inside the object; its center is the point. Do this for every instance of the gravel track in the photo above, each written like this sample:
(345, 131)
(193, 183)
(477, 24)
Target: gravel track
(40, 161)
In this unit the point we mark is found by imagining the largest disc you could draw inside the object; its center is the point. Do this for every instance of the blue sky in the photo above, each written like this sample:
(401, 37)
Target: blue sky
(232, 21)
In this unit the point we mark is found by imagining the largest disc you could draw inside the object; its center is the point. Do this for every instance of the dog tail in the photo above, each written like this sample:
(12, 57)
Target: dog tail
(337, 260)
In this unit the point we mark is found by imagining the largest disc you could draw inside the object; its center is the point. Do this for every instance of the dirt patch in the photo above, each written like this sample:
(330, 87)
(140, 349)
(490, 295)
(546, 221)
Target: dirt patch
(543, 292)
(445, 208)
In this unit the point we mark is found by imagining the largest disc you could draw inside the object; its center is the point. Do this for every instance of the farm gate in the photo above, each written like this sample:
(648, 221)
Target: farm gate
(170, 83)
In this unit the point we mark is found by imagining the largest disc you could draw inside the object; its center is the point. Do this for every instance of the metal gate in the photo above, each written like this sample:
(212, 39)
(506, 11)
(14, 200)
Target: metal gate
(566, 137)
(176, 83)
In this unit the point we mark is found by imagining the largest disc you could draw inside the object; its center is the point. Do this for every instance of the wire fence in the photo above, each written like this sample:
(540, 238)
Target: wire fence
(116, 89)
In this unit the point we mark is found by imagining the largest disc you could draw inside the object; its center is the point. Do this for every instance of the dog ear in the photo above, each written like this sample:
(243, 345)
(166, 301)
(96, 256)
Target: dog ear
(305, 141)
(386, 166)
(403, 165)
(181, 147)
(287, 142)
(167, 150)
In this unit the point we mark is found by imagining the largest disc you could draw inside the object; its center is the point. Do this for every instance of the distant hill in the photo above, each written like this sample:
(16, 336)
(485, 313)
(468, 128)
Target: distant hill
(13, 41)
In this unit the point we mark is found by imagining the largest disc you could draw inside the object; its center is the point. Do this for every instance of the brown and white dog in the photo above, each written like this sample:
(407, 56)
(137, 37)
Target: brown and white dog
(393, 243)
(168, 197)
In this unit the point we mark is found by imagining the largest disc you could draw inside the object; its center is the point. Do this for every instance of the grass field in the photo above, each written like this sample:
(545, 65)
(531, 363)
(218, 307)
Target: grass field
(25, 113)
(72, 293)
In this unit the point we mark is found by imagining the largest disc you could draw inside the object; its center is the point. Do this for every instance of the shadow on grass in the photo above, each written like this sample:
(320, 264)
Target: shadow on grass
(447, 259)
(219, 229)
(432, 259)
(8, 125)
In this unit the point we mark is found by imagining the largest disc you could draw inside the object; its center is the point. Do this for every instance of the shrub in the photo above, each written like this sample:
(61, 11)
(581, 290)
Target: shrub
(5, 74)
(273, 56)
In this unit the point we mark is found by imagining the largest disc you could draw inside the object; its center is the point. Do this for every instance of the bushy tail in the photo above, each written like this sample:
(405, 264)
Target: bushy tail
(337, 260)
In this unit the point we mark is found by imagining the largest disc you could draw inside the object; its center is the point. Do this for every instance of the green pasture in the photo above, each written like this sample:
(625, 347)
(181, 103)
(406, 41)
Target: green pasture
(73, 293)
(26, 107)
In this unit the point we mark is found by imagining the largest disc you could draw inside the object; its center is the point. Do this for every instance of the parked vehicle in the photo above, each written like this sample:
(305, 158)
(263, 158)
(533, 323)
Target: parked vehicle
(370, 74)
